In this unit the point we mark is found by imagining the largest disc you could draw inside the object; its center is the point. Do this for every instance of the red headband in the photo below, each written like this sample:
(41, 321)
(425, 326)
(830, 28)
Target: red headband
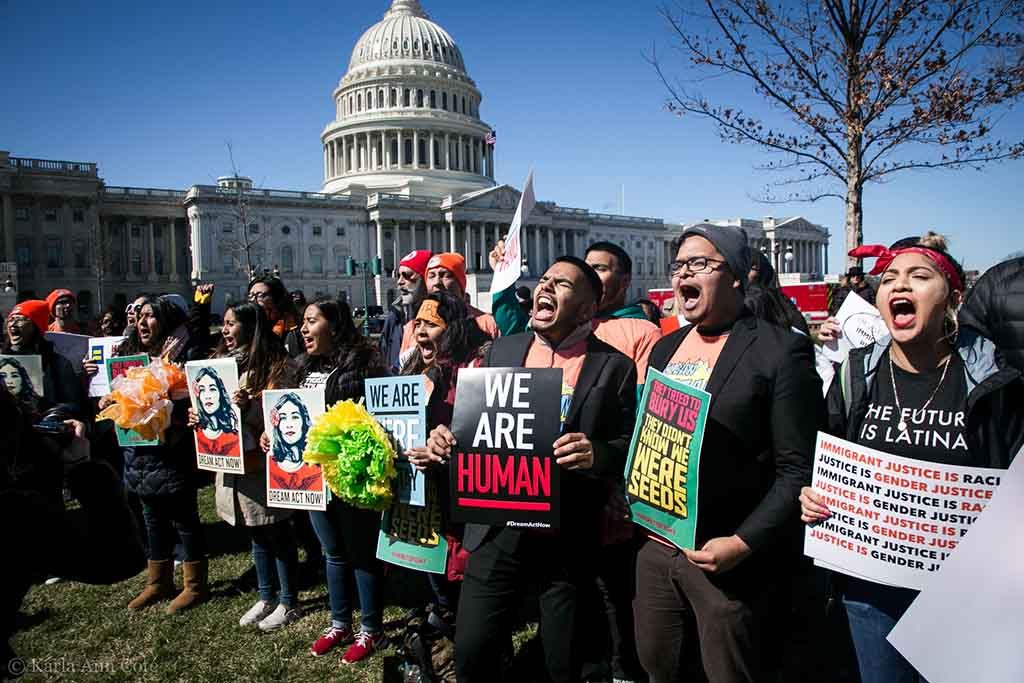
(886, 255)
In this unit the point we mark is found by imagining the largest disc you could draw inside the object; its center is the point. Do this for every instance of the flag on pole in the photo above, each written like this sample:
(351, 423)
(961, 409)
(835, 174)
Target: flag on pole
(507, 271)
(491, 138)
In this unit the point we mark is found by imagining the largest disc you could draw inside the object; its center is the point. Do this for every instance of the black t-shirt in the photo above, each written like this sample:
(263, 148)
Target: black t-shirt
(933, 434)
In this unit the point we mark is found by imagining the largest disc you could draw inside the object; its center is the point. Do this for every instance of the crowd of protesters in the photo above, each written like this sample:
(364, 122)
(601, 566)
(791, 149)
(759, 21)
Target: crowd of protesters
(615, 602)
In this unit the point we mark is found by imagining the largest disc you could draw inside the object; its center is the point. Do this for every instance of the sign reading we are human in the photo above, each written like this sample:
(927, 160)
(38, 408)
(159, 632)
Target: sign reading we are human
(894, 520)
(503, 470)
(664, 458)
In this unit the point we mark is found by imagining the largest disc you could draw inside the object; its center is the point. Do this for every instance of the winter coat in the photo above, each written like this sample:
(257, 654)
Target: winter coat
(168, 468)
(391, 337)
(242, 498)
(995, 308)
(995, 393)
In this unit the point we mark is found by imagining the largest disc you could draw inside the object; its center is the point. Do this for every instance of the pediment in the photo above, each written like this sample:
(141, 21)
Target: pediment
(498, 198)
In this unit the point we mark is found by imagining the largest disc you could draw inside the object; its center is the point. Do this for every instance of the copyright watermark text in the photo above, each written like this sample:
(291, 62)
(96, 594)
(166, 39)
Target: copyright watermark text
(19, 666)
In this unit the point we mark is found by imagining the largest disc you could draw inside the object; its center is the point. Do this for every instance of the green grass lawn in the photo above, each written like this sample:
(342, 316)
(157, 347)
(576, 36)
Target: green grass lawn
(77, 632)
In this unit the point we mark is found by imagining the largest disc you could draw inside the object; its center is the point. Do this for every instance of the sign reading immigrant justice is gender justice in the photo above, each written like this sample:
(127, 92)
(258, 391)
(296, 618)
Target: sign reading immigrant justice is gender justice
(503, 470)
(894, 520)
(664, 458)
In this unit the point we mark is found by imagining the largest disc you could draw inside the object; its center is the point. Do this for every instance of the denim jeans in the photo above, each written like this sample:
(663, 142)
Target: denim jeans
(166, 516)
(348, 536)
(872, 611)
(275, 556)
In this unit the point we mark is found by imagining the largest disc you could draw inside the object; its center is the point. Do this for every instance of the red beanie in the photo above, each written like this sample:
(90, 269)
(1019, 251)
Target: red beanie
(35, 310)
(416, 261)
(453, 263)
(56, 294)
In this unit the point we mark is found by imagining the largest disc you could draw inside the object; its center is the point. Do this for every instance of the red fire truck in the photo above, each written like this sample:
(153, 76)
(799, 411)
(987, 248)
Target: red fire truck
(812, 298)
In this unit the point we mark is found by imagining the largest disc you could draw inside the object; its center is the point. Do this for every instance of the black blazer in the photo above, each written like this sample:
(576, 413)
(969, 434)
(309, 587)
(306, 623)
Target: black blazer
(766, 408)
(604, 408)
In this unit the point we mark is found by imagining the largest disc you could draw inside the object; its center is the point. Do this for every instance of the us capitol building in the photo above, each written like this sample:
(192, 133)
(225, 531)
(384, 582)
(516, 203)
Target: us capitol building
(408, 163)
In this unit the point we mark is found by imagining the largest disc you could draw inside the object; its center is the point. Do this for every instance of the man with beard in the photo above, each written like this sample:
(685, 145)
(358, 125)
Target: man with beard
(412, 287)
(446, 272)
(62, 310)
(598, 405)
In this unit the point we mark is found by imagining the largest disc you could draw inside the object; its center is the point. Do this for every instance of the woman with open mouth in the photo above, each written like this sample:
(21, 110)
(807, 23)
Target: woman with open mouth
(447, 340)
(935, 393)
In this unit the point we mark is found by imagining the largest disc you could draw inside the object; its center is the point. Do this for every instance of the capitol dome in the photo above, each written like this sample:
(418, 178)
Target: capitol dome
(407, 114)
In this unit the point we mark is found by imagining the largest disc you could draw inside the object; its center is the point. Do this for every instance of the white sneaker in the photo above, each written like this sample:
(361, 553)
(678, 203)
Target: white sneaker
(53, 580)
(280, 617)
(257, 613)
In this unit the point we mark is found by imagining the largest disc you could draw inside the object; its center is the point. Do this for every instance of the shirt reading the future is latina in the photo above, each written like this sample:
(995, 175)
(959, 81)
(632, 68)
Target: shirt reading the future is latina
(695, 358)
(933, 434)
(315, 380)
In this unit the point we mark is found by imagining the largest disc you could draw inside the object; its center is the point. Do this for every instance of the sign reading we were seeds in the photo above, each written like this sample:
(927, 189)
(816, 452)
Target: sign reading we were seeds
(664, 458)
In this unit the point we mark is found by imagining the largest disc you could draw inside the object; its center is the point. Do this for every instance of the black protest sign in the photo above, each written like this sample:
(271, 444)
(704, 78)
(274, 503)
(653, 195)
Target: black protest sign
(503, 470)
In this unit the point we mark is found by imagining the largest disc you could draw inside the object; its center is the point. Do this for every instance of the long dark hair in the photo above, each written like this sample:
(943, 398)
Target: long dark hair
(283, 451)
(260, 352)
(168, 317)
(27, 393)
(353, 356)
(278, 295)
(223, 419)
(462, 341)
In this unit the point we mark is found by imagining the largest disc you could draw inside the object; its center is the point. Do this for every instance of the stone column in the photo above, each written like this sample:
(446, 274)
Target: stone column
(433, 160)
(470, 261)
(451, 234)
(429, 227)
(327, 166)
(173, 248)
(378, 280)
(536, 251)
(401, 149)
(447, 153)
(151, 236)
(397, 246)
(551, 245)
(482, 261)
(415, 149)
(8, 217)
(412, 235)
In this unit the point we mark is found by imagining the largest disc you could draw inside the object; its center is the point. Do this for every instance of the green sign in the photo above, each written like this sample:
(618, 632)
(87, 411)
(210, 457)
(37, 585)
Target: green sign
(664, 458)
(115, 368)
(412, 536)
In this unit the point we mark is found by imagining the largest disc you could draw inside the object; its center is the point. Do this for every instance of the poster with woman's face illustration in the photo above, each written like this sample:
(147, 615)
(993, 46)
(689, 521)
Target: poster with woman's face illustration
(23, 377)
(212, 384)
(287, 416)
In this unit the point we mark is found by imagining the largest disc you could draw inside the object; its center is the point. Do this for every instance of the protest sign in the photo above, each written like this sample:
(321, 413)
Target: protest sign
(411, 531)
(115, 368)
(399, 405)
(211, 385)
(74, 347)
(503, 469)
(23, 377)
(979, 592)
(894, 520)
(509, 269)
(101, 349)
(287, 416)
(860, 324)
(664, 458)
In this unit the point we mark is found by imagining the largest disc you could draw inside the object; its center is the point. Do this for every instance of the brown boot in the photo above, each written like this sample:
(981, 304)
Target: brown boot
(195, 591)
(159, 584)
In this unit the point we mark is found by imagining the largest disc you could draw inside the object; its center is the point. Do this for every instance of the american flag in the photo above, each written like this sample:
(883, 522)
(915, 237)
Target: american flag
(491, 138)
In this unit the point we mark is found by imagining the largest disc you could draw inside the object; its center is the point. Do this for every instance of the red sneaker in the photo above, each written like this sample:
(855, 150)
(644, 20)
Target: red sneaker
(366, 644)
(329, 639)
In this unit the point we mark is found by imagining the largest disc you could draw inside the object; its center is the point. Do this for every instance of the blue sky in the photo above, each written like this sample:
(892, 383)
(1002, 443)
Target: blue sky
(151, 91)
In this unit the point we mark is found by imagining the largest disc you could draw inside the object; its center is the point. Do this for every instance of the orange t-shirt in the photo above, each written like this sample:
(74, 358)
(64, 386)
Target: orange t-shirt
(695, 359)
(632, 337)
(567, 357)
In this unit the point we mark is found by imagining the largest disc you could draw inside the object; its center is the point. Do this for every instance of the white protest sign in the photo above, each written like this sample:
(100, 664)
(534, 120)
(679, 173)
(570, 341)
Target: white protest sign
(894, 520)
(508, 269)
(399, 404)
(860, 324)
(101, 350)
(979, 592)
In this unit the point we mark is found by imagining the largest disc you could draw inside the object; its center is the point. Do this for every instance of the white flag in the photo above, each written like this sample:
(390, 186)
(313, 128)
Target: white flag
(507, 271)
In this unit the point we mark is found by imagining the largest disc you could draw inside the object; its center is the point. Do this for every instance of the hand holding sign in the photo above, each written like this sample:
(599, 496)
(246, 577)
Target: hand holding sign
(719, 555)
(812, 506)
(574, 451)
(439, 444)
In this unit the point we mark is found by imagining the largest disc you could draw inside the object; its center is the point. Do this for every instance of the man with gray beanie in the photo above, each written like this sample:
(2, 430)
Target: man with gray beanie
(708, 612)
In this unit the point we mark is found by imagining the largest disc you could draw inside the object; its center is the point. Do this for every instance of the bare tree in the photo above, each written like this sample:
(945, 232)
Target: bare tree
(244, 246)
(99, 244)
(865, 88)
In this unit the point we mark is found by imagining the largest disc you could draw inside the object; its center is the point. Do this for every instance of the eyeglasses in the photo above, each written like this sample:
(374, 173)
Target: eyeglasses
(259, 296)
(696, 265)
